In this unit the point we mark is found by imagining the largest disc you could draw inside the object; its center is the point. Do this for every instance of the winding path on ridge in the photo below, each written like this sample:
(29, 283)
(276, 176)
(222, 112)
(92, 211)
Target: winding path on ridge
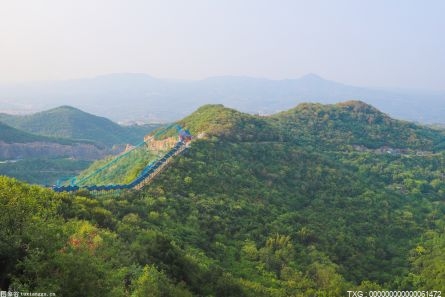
(144, 177)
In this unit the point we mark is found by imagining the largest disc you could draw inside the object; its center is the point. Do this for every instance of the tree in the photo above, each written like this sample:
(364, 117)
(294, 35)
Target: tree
(152, 283)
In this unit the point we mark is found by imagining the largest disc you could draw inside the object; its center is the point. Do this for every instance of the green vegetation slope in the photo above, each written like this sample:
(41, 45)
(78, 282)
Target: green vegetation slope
(259, 206)
(9, 134)
(69, 122)
(354, 122)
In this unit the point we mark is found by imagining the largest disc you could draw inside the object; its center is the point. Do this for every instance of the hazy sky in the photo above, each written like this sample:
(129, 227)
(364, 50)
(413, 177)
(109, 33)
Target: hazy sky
(371, 43)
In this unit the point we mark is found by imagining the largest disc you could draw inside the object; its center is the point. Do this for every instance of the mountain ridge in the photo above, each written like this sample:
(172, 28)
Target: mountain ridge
(338, 125)
(342, 127)
(128, 95)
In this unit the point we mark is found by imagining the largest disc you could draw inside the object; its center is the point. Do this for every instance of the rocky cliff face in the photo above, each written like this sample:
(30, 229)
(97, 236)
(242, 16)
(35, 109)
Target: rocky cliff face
(79, 151)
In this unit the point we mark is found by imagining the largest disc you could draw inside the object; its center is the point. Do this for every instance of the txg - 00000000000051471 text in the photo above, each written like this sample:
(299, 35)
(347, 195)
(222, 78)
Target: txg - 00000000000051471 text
(384, 293)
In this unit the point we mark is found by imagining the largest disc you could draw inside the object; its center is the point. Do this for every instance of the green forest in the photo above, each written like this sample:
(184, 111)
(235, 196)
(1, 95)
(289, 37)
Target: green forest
(66, 122)
(315, 201)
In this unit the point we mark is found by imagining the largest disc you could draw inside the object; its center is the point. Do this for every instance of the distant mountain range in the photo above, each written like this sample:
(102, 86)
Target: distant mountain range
(129, 97)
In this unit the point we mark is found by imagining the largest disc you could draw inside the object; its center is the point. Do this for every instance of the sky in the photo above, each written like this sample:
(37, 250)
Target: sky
(395, 43)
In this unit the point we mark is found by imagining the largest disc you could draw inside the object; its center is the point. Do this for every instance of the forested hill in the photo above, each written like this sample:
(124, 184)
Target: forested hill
(257, 206)
(72, 123)
(355, 122)
(316, 125)
(11, 135)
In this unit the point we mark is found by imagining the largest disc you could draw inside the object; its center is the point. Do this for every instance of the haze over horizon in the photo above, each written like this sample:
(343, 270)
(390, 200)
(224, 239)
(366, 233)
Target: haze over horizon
(397, 44)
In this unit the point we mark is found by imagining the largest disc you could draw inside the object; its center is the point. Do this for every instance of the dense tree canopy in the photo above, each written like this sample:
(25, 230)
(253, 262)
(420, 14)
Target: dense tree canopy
(289, 205)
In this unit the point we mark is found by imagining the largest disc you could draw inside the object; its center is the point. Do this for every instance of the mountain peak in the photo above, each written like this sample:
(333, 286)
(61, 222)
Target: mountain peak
(218, 120)
(358, 106)
(65, 108)
(351, 107)
(211, 118)
(126, 76)
(312, 77)
(62, 112)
